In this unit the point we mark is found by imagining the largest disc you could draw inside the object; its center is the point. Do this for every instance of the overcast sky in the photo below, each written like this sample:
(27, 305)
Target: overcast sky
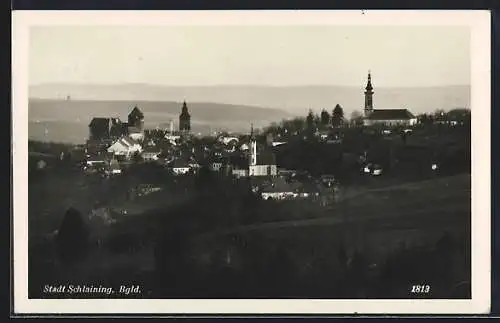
(250, 55)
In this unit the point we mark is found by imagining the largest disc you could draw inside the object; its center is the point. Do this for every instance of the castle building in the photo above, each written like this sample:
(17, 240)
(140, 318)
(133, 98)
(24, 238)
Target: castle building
(184, 119)
(99, 129)
(388, 117)
(102, 129)
(136, 124)
(136, 119)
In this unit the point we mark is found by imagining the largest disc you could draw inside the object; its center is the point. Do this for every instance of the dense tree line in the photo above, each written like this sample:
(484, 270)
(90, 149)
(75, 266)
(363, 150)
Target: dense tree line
(249, 267)
(308, 125)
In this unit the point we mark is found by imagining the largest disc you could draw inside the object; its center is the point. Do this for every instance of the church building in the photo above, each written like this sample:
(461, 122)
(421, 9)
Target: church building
(388, 117)
(262, 162)
(184, 119)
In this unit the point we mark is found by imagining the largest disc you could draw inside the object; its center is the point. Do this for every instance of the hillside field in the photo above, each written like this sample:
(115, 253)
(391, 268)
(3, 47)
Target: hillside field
(375, 222)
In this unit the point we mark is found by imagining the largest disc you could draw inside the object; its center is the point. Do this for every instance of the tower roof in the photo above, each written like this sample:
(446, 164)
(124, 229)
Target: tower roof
(136, 113)
(184, 111)
(252, 135)
(369, 86)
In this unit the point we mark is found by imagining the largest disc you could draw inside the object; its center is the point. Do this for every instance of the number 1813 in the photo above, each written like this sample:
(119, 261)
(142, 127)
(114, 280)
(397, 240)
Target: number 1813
(420, 289)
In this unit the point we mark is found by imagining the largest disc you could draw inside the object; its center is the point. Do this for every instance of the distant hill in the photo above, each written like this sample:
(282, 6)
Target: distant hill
(67, 120)
(295, 100)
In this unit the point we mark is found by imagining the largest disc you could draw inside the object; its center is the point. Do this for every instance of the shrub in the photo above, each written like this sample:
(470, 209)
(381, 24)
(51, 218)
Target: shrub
(73, 237)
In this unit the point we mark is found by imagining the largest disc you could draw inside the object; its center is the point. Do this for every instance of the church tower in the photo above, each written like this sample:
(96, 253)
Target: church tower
(184, 119)
(253, 148)
(369, 96)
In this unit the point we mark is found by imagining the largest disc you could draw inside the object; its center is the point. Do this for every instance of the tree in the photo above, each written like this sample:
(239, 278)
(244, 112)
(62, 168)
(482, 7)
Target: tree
(136, 157)
(72, 238)
(317, 121)
(337, 116)
(425, 119)
(440, 115)
(310, 123)
(204, 178)
(325, 117)
(356, 118)
(297, 125)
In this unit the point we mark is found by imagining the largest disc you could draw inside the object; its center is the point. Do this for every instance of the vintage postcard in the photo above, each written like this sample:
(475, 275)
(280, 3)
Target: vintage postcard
(251, 162)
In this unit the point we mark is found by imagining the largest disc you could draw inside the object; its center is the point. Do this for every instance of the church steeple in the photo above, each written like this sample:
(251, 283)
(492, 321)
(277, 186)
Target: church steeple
(184, 119)
(253, 148)
(369, 95)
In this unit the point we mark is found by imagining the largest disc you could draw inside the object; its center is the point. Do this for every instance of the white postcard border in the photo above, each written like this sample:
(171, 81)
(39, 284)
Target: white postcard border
(479, 22)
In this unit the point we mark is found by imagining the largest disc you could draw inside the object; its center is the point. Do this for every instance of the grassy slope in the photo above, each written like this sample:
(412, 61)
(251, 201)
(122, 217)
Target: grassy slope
(373, 219)
(439, 203)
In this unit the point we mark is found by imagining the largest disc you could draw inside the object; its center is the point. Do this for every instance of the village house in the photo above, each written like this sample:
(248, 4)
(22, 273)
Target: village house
(229, 140)
(136, 134)
(279, 188)
(216, 164)
(125, 146)
(173, 138)
(98, 160)
(180, 167)
(387, 117)
(150, 154)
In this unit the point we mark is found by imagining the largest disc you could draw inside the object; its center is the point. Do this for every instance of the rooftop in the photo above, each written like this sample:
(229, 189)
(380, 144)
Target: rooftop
(134, 130)
(391, 114)
(99, 122)
(127, 141)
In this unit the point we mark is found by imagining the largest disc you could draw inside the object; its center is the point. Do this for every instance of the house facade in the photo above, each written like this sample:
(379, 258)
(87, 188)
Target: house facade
(180, 167)
(150, 154)
(263, 170)
(136, 134)
(125, 146)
